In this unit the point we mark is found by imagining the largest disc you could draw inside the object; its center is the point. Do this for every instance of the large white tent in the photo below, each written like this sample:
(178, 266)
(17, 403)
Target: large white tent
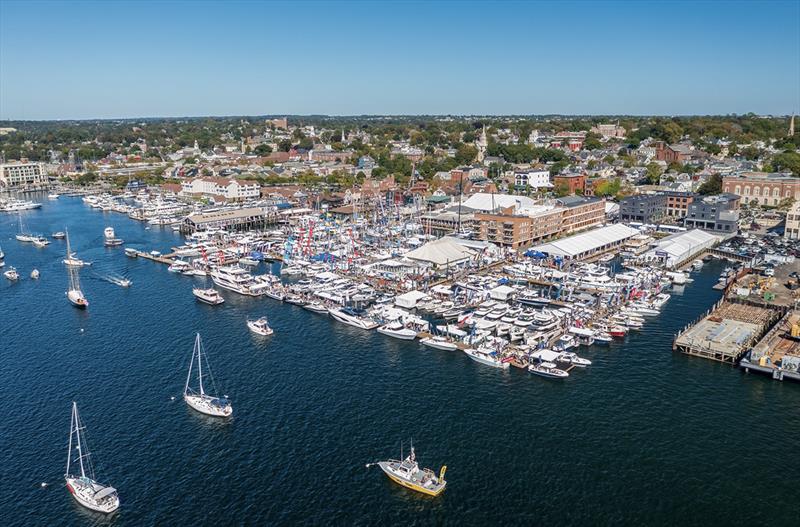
(441, 253)
(677, 248)
(588, 243)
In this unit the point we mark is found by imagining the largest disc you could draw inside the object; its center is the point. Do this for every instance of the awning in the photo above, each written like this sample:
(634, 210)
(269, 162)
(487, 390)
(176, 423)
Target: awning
(107, 491)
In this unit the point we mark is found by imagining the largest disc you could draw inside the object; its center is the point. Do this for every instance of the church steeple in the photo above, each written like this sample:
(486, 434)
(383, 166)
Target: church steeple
(482, 144)
(791, 126)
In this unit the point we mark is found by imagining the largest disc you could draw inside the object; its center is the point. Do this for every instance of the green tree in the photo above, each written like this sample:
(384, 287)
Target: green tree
(653, 173)
(263, 149)
(712, 185)
(789, 161)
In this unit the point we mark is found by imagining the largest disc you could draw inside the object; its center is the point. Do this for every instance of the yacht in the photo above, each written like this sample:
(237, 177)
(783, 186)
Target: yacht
(238, 280)
(397, 330)
(408, 474)
(572, 358)
(84, 488)
(208, 296)
(260, 327)
(11, 274)
(547, 369)
(35, 274)
(75, 295)
(110, 239)
(60, 235)
(489, 358)
(53, 196)
(198, 399)
(179, 266)
(439, 343)
(131, 252)
(40, 241)
(315, 307)
(353, 318)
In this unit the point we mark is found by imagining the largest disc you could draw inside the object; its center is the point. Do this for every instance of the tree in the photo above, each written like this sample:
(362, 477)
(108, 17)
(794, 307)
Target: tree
(653, 174)
(557, 167)
(284, 145)
(263, 149)
(712, 185)
(789, 161)
(592, 142)
(466, 154)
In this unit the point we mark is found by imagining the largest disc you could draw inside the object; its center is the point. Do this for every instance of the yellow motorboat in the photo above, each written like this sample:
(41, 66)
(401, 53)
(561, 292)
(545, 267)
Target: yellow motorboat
(408, 474)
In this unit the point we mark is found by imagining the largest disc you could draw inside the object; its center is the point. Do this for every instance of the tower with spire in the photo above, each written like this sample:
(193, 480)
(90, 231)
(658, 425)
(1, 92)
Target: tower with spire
(482, 143)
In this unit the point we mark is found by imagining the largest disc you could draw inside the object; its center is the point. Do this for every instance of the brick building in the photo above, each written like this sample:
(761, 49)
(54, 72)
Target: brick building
(571, 183)
(762, 187)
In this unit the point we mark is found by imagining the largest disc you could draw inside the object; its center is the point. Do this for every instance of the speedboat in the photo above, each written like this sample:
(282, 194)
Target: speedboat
(40, 241)
(397, 330)
(572, 358)
(208, 296)
(547, 369)
(11, 274)
(131, 252)
(489, 358)
(179, 266)
(439, 343)
(351, 317)
(58, 235)
(260, 327)
(53, 196)
(84, 488)
(35, 274)
(408, 474)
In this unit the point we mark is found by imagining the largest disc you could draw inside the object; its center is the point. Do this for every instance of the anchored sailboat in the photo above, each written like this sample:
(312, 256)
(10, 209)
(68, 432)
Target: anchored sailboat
(199, 399)
(83, 487)
(75, 295)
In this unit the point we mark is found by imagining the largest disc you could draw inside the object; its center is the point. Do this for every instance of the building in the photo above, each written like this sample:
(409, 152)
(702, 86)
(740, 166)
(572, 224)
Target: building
(678, 203)
(581, 213)
(762, 187)
(714, 213)
(589, 243)
(678, 248)
(533, 179)
(281, 124)
(521, 228)
(217, 187)
(329, 155)
(792, 230)
(609, 130)
(238, 219)
(678, 153)
(643, 208)
(570, 183)
(22, 173)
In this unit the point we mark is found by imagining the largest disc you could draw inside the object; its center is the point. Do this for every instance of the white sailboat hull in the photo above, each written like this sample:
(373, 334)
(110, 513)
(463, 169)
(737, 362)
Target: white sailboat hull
(204, 405)
(77, 299)
(83, 490)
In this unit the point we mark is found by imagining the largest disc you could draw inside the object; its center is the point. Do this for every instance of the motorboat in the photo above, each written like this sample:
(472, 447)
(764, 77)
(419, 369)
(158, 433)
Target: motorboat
(35, 274)
(315, 307)
(351, 317)
(198, 399)
(564, 343)
(53, 196)
(408, 474)
(397, 330)
(486, 357)
(572, 358)
(40, 241)
(179, 266)
(260, 327)
(131, 252)
(238, 280)
(250, 262)
(439, 343)
(60, 235)
(296, 300)
(208, 296)
(84, 488)
(547, 369)
(11, 274)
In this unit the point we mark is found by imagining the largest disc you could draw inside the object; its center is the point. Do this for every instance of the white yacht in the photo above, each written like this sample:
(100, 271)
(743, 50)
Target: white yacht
(84, 488)
(352, 318)
(179, 266)
(35, 274)
(315, 307)
(199, 399)
(238, 280)
(260, 327)
(40, 241)
(11, 274)
(208, 296)
(489, 358)
(110, 238)
(439, 343)
(53, 196)
(397, 330)
(572, 358)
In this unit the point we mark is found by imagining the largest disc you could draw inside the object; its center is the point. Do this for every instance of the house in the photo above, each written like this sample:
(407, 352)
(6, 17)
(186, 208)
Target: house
(533, 179)
(714, 213)
(570, 183)
(217, 187)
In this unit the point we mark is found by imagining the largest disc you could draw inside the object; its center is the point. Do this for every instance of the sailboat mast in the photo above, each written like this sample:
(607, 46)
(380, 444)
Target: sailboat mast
(191, 364)
(200, 363)
(78, 438)
(71, 430)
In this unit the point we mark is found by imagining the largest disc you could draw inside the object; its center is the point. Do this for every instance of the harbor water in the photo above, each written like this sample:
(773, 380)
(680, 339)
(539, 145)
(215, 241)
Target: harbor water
(643, 436)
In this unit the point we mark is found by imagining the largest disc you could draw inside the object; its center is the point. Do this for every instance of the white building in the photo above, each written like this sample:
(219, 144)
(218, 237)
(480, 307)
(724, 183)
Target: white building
(18, 174)
(484, 202)
(230, 189)
(535, 179)
(677, 248)
(792, 231)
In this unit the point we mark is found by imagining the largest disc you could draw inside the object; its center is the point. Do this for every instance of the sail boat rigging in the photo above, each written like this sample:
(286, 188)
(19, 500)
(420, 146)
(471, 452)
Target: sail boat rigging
(71, 260)
(74, 294)
(84, 488)
(198, 399)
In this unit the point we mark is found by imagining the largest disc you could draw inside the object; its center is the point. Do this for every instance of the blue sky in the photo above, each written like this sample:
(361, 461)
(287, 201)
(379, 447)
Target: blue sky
(65, 60)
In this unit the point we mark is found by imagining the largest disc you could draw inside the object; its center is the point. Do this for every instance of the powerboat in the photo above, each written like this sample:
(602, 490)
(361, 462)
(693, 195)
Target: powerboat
(208, 296)
(35, 274)
(60, 235)
(315, 307)
(547, 369)
(408, 474)
(572, 358)
(439, 343)
(84, 488)
(40, 241)
(260, 327)
(238, 280)
(488, 358)
(351, 317)
(198, 399)
(11, 274)
(397, 330)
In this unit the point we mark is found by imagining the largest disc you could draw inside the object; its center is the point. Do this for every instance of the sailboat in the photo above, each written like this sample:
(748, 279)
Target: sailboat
(75, 295)
(200, 400)
(83, 487)
(71, 260)
(24, 236)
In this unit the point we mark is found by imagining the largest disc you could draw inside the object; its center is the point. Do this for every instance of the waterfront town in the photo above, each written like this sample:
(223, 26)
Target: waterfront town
(514, 240)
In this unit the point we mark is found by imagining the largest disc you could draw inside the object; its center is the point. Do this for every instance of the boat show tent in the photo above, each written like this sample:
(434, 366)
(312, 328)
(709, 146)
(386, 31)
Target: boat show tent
(441, 253)
(678, 248)
(501, 292)
(409, 300)
(588, 243)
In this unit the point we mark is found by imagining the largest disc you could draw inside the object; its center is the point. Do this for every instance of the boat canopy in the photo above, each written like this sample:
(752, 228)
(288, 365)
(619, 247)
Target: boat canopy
(545, 355)
(102, 493)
